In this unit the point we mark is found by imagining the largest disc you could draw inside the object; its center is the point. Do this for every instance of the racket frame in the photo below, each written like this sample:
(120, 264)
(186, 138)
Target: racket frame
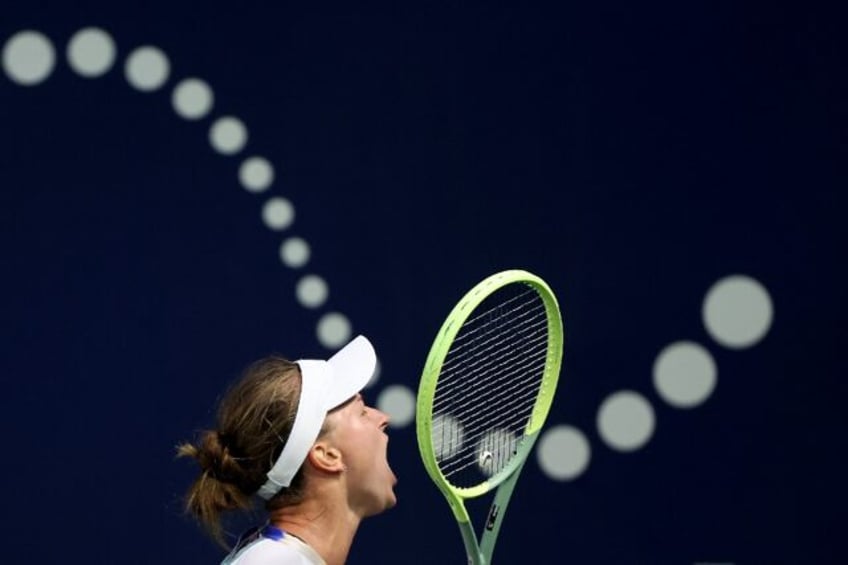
(479, 553)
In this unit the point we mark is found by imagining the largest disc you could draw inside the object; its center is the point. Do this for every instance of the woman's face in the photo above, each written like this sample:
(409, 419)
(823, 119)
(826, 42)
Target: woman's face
(358, 431)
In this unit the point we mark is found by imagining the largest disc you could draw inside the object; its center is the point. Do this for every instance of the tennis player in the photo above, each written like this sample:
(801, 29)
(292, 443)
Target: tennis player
(299, 436)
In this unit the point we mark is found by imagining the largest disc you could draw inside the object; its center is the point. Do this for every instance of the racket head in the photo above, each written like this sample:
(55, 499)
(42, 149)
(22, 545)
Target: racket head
(519, 307)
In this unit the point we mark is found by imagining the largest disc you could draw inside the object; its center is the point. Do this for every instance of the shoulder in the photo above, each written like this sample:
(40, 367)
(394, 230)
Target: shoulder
(265, 551)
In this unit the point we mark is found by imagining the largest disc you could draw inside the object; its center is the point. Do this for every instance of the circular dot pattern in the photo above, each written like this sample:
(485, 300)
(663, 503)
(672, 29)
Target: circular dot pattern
(294, 252)
(192, 99)
(228, 135)
(278, 213)
(684, 374)
(147, 68)
(312, 291)
(256, 174)
(563, 453)
(28, 57)
(91, 52)
(625, 421)
(334, 330)
(399, 403)
(448, 437)
(737, 311)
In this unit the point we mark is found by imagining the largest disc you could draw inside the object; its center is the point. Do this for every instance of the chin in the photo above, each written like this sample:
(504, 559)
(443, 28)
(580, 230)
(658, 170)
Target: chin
(390, 501)
(387, 505)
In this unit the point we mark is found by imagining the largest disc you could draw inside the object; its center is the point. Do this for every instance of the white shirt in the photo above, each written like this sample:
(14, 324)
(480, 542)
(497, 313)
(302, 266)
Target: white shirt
(272, 546)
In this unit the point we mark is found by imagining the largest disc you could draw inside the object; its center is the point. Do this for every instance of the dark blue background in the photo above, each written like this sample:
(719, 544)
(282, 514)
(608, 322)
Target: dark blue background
(631, 154)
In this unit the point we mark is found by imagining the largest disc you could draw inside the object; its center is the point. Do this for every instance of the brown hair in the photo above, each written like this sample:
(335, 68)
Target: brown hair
(254, 420)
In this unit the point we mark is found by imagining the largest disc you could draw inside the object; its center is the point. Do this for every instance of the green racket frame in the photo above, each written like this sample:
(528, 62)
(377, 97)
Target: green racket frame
(505, 480)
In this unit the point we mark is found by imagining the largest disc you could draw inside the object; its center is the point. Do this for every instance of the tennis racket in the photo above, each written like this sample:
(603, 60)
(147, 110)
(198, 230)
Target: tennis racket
(486, 389)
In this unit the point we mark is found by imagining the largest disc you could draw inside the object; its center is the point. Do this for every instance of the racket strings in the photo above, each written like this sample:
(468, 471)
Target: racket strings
(519, 316)
(488, 385)
(466, 367)
(512, 418)
(476, 375)
(503, 450)
(492, 391)
(512, 304)
(465, 372)
(507, 402)
(509, 406)
(513, 405)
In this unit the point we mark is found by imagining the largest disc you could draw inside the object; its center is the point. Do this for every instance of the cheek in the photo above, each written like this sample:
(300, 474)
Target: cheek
(373, 447)
(381, 446)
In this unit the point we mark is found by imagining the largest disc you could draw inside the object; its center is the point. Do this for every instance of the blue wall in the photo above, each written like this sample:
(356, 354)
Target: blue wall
(632, 155)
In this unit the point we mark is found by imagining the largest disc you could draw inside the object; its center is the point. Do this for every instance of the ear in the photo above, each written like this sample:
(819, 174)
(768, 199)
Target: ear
(324, 457)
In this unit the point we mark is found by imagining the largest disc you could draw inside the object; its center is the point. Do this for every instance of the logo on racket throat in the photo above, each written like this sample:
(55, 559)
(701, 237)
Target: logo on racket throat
(492, 519)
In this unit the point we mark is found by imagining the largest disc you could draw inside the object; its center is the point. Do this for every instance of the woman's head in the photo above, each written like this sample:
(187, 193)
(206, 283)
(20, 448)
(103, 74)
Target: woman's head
(266, 424)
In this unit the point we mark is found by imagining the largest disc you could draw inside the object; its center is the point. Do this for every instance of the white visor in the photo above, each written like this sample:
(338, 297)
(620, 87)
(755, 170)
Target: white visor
(324, 386)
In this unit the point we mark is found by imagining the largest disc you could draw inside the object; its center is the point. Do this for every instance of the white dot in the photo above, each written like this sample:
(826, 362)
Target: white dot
(278, 213)
(333, 330)
(684, 374)
(399, 403)
(228, 135)
(294, 252)
(91, 52)
(147, 68)
(256, 174)
(192, 98)
(737, 311)
(495, 450)
(28, 57)
(311, 291)
(563, 453)
(625, 421)
(448, 436)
